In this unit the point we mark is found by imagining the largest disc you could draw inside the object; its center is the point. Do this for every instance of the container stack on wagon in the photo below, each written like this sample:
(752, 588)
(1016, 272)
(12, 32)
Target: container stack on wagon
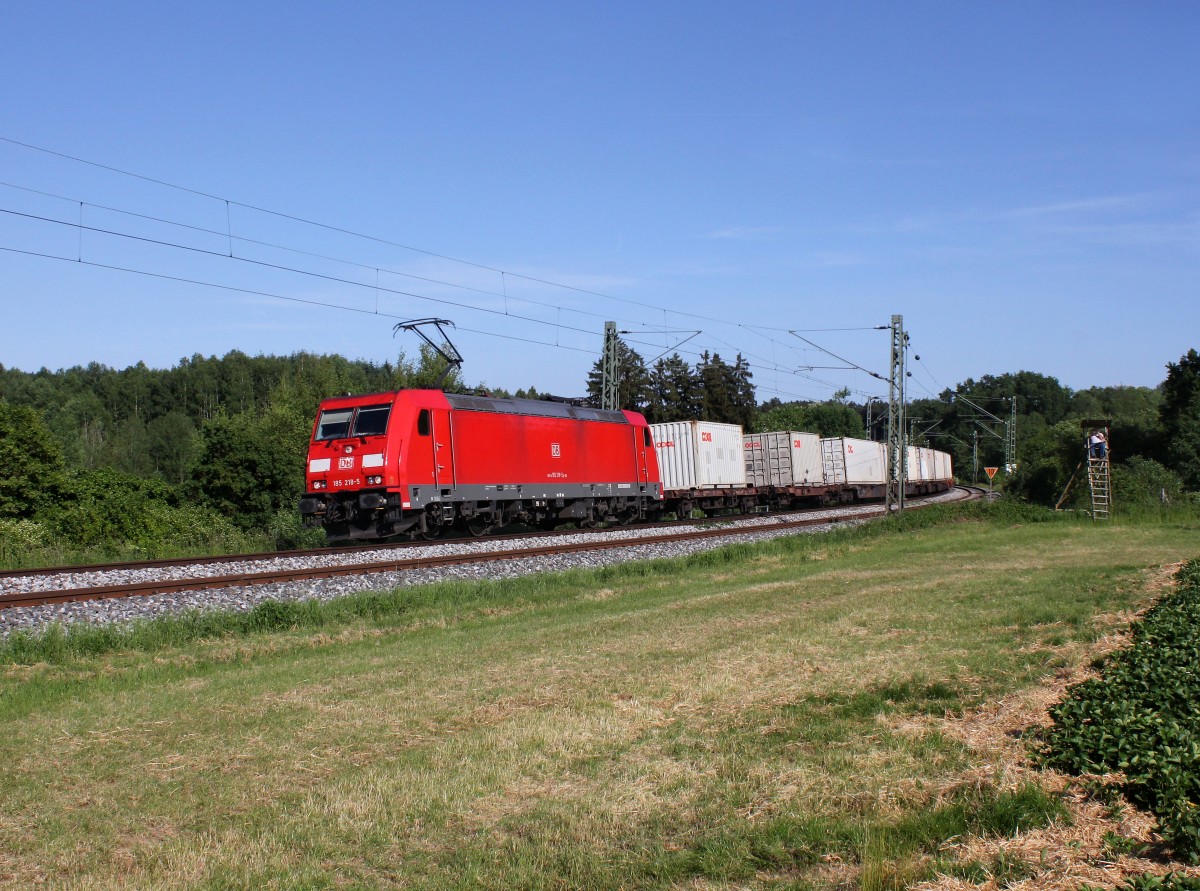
(699, 455)
(783, 458)
(780, 468)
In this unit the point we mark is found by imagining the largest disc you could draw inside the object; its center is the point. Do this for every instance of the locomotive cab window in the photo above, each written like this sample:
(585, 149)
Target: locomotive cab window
(423, 422)
(371, 420)
(334, 423)
(646, 440)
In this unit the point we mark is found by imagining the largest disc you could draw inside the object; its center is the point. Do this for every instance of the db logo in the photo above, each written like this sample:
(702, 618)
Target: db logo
(706, 437)
(346, 463)
(555, 450)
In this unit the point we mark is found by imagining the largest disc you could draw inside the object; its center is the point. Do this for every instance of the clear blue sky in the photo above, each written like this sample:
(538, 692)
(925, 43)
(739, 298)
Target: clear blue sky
(1021, 181)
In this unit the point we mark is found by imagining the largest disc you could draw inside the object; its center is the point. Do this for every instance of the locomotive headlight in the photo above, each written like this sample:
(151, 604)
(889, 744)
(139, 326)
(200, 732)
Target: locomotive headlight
(318, 484)
(374, 480)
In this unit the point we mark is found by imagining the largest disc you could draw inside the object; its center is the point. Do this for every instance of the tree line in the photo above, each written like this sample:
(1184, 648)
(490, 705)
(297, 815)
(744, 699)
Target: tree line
(1154, 434)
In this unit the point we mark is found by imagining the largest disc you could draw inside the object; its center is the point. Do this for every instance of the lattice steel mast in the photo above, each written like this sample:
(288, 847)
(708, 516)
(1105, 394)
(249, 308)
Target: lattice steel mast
(610, 385)
(896, 443)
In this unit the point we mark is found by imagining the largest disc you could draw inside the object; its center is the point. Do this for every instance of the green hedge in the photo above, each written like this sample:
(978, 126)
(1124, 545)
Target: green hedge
(1139, 718)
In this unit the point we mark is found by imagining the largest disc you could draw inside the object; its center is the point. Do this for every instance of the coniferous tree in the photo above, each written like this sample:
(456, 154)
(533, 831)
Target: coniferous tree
(745, 401)
(1180, 414)
(674, 391)
(718, 396)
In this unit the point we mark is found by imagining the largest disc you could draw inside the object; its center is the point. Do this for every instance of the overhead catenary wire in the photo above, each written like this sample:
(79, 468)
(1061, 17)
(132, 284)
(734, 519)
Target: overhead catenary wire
(282, 268)
(503, 293)
(230, 238)
(366, 267)
(345, 231)
(260, 293)
(319, 303)
(255, 292)
(377, 239)
(558, 325)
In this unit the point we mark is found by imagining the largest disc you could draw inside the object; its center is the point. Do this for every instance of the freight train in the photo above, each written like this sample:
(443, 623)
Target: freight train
(417, 462)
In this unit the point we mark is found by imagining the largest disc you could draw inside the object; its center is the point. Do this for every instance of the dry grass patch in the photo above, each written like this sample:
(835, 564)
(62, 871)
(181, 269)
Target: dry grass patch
(1060, 857)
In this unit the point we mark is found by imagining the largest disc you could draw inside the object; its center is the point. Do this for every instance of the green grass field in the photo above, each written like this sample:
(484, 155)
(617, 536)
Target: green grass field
(731, 720)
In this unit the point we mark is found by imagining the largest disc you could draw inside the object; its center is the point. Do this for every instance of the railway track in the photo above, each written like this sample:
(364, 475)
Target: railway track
(574, 543)
(174, 562)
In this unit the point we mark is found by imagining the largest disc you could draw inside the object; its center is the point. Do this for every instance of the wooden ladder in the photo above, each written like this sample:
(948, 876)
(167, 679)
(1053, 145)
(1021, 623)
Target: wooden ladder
(1100, 480)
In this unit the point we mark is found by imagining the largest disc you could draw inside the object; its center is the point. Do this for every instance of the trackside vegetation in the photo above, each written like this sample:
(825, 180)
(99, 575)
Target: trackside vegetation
(764, 716)
(1138, 720)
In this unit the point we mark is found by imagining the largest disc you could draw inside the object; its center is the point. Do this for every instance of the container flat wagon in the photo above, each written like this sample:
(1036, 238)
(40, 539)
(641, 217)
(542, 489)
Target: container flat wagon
(858, 467)
(702, 466)
(786, 467)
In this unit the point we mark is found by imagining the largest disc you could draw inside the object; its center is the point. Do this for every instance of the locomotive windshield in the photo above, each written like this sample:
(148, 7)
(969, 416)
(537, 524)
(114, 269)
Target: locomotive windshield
(341, 423)
(334, 424)
(371, 420)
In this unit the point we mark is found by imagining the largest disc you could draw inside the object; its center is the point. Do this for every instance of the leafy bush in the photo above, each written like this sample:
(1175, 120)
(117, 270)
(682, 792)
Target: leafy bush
(31, 462)
(1139, 718)
(106, 507)
(1172, 881)
(1143, 482)
(117, 513)
(288, 532)
(248, 468)
(18, 538)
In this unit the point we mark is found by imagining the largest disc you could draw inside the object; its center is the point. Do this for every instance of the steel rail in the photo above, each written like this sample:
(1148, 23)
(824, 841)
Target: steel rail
(167, 586)
(261, 556)
(166, 562)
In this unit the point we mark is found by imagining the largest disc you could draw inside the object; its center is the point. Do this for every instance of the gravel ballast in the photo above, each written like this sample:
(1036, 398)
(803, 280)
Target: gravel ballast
(125, 610)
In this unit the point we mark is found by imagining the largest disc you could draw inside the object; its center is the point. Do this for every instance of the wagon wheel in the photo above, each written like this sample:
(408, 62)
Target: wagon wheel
(431, 533)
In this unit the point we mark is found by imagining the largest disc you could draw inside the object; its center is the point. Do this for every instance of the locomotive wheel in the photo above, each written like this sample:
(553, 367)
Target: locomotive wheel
(431, 533)
(478, 526)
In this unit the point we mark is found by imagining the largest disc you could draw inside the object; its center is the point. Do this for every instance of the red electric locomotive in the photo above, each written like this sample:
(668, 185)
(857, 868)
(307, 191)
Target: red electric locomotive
(415, 462)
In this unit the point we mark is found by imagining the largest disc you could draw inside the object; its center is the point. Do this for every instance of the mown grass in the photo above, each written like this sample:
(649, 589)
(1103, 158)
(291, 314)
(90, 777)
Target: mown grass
(733, 719)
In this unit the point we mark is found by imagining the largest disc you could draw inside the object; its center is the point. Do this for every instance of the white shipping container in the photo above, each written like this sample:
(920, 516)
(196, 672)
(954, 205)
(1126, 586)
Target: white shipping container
(912, 468)
(783, 458)
(928, 465)
(944, 469)
(699, 455)
(854, 461)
